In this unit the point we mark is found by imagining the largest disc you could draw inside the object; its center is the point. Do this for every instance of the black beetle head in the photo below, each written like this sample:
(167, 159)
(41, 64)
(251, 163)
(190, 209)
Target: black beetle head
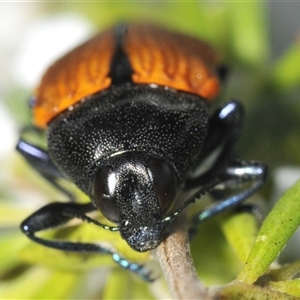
(135, 190)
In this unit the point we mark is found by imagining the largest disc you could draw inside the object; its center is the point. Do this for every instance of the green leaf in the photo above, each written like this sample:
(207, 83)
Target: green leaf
(11, 213)
(214, 259)
(287, 272)
(286, 72)
(123, 285)
(240, 231)
(241, 291)
(10, 244)
(249, 36)
(60, 285)
(291, 287)
(25, 285)
(276, 230)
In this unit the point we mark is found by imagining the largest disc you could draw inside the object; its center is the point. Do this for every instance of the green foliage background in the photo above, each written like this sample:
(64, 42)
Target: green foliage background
(270, 90)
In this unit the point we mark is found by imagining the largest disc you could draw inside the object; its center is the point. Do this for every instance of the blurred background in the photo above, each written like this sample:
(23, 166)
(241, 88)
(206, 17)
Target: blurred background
(259, 41)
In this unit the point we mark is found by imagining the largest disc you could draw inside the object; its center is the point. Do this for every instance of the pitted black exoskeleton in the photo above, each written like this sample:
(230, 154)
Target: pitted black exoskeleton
(128, 120)
(132, 154)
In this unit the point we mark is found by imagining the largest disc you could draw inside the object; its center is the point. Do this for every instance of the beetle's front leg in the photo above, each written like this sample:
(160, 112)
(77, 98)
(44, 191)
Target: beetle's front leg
(54, 215)
(57, 214)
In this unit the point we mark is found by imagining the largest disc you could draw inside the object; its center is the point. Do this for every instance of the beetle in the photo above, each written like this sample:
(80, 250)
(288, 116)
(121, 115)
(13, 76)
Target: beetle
(127, 119)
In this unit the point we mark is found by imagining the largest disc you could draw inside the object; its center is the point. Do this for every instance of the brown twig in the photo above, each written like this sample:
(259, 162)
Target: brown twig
(178, 267)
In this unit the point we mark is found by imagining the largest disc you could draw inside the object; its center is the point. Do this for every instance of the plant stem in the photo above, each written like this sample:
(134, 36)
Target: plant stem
(176, 262)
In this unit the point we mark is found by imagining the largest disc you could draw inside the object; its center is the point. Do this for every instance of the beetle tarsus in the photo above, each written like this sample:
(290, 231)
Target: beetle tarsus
(138, 269)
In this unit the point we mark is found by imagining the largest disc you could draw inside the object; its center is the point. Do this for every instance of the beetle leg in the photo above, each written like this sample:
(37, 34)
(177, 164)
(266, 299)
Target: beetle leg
(138, 269)
(57, 214)
(224, 128)
(40, 160)
(236, 182)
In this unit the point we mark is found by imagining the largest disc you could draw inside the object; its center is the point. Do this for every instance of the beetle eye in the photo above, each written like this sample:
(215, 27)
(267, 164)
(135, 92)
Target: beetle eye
(104, 192)
(165, 182)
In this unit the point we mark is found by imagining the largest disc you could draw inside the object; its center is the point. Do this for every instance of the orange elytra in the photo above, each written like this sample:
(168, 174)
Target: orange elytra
(156, 56)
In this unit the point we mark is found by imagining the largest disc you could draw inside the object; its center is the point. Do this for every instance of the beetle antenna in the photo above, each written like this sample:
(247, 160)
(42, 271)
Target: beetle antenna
(205, 189)
(87, 219)
(106, 227)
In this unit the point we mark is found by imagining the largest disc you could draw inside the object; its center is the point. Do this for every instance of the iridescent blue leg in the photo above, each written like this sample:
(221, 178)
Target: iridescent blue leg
(57, 214)
(235, 183)
(138, 269)
(229, 181)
